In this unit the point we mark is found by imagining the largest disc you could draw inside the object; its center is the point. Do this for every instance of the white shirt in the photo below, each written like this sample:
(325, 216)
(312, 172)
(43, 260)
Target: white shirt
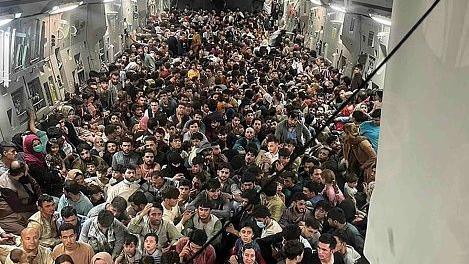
(170, 215)
(272, 229)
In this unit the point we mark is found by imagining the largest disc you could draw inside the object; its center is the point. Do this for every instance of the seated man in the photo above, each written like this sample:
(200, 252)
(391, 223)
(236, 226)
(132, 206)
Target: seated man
(155, 185)
(170, 205)
(213, 194)
(203, 219)
(150, 220)
(118, 207)
(69, 215)
(80, 252)
(104, 233)
(264, 221)
(336, 219)
(85, 157)
(126, 187)
(19, 193)
(45, 221)
(74, 197)
(187, 247)
(131, 253)
(296, 212)
(30, 245)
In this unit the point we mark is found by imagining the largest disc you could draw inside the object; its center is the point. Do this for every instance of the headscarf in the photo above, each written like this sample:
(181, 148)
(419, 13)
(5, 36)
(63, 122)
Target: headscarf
(30, 156)
(103, 256)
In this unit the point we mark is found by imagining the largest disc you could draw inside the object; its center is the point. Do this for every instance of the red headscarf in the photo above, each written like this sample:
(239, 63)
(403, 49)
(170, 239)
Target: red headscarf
(30, 156)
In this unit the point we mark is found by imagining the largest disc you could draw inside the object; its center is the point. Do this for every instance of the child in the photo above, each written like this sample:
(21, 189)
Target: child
(350, 187)
(246, 235)
(150, 247)
(350, 190)
(18, 256)
(130, 254)
(90, 171)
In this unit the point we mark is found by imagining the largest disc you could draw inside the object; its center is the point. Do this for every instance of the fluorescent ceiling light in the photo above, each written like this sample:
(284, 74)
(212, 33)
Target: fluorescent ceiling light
(5, 21)
(338, 8)
(380, 19)
(18, 15)
(64, 8)
(316, 2)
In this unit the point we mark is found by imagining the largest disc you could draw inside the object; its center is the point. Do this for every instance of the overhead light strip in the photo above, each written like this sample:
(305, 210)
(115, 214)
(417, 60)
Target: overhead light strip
(380, 19)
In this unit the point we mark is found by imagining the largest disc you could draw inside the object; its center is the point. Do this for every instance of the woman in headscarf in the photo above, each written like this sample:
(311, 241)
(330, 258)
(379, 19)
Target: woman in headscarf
(358, 153)
(102, 258)
(34, 147)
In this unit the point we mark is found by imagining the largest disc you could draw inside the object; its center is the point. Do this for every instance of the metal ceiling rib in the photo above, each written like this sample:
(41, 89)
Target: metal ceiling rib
(383, 5)
(8, 3)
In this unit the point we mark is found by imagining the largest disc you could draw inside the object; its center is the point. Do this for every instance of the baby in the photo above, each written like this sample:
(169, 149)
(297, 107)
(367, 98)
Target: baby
(18, 256)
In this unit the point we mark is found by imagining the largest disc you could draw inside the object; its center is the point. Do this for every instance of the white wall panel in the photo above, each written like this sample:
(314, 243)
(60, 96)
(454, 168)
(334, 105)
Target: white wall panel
(419, 211)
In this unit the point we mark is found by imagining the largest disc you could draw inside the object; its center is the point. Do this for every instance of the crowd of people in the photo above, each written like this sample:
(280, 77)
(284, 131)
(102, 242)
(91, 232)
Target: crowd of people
(201, 144)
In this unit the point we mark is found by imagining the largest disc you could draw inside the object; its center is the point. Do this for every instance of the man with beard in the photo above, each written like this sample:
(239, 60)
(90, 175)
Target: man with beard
(292, 128)
(85, 158)
(126, 187)
(18, 200)
(249, 158)
(149, 165)
(114, 86)
(150, 220)
(297, 212)
(104, 93)
(212, 193)
(197, 169)
(126, 156)
(249, 138)
(179, 118)
(203, 219)
(228, 185)
(334, 160)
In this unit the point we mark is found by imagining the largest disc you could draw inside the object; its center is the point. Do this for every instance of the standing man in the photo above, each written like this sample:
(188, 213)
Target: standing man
(293, 129)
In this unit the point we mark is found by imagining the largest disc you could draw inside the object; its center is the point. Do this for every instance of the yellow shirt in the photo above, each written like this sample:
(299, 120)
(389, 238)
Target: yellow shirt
(82, 254)
(47, 229)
